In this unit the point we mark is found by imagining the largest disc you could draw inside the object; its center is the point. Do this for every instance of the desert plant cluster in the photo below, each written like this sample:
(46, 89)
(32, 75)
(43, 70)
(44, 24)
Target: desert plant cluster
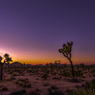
(50, 80)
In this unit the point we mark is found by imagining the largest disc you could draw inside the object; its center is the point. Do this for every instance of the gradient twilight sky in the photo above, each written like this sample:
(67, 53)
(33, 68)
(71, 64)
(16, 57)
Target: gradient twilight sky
(32, 31)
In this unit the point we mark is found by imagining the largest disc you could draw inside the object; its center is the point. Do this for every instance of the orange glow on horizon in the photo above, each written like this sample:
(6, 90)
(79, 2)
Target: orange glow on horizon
(31, 57)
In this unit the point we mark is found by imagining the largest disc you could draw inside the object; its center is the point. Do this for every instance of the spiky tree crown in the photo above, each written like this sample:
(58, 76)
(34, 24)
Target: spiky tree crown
(6, 55)
(66, 49)
(7, 58)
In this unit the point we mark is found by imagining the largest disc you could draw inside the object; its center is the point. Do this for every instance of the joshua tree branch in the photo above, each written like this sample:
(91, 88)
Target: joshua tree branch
(64, 54)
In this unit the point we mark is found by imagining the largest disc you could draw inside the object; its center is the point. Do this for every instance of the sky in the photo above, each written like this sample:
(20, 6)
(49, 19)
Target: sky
(32, 31)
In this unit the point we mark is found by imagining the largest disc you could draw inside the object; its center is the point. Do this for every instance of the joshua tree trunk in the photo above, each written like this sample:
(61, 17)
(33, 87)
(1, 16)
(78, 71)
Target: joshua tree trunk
(1, 73)
(72, 68)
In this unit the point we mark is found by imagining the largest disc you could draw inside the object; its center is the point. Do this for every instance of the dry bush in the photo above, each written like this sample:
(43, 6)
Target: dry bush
(44, 76)
(58, 92)
(46, 84)
(56, 77)
(26, 81)
(53, 87)
(33, 92)
(4, 89)
(19, 92)
(20, 83)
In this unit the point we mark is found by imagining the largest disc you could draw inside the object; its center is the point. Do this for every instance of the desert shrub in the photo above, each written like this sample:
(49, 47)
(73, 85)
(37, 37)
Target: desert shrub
(19, 92)
(77, 86)
(66, 74)
(78, 73)
(47, 71)
(16, 82)
(29, 71)
(44, 76)
(1, 86)
(56, 77)
(55, 92)
(24, 85)
(54, 73)
(26, 81)
(14, 74)
(83, 76)
(53, 87)
(4, 89)
(37, 78)
(20, 83)
(82, 92)
(28, 85)
(38, 90)
(69, 91)
(35, 82)
(93, 75)
(33, 92)
(93, 71)
(87, 89)
(46, 84)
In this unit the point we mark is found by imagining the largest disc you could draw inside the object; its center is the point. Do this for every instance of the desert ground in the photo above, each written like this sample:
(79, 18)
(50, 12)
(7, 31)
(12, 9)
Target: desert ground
(48, 80)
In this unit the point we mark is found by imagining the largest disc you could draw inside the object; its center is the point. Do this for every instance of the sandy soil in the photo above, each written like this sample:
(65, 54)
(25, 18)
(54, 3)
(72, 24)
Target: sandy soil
(38, 82)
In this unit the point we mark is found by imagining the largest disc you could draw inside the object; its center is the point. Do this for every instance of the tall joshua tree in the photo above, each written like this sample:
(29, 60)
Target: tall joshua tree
(66, 51)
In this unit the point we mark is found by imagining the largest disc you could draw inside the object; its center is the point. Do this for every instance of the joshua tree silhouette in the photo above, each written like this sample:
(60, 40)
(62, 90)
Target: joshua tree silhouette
(7, 59)
(66, 51)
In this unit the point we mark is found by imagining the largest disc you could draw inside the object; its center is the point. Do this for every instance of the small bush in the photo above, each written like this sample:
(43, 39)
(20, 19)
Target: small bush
(55, 92)
(44, 76)
(28, 85)
(19, 92)
(46, 84)
(20, 83)
(26, 81)
(16, 82)
(56, 78)
(4, 89)
(37, 78)
(53, 87)
(14, 74)
(33, 92)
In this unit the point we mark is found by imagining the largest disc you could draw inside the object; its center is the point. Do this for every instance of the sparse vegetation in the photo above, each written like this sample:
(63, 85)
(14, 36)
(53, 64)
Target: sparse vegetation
(54, 73)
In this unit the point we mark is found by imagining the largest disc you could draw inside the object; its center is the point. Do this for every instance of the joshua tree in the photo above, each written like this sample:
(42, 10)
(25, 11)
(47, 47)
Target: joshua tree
(66, 51)
(7, 58)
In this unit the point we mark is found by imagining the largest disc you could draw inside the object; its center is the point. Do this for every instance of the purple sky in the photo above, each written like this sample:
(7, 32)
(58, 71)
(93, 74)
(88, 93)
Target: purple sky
(32, 31)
